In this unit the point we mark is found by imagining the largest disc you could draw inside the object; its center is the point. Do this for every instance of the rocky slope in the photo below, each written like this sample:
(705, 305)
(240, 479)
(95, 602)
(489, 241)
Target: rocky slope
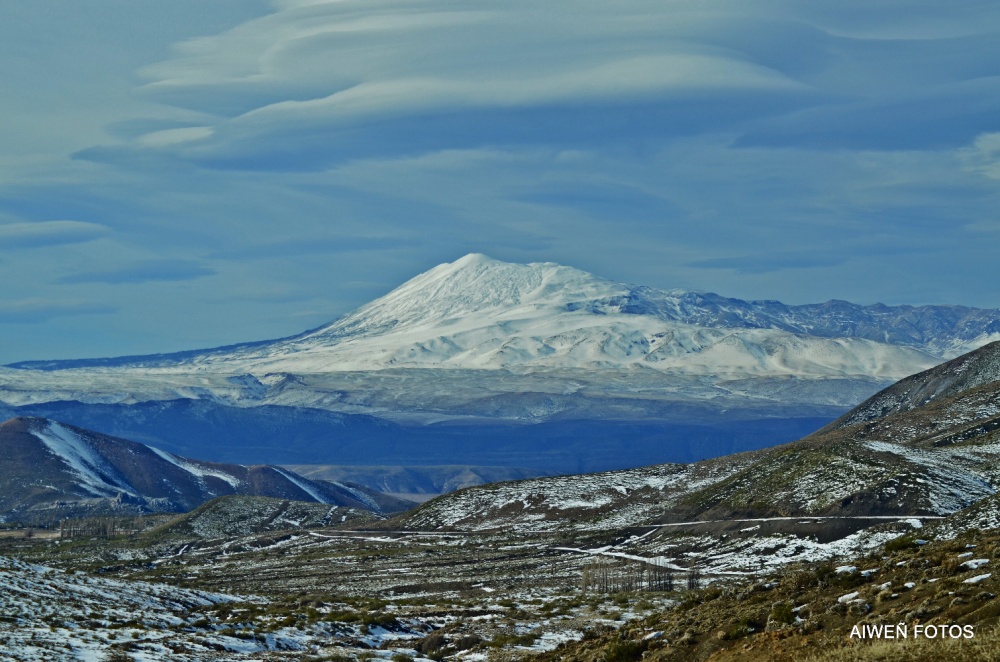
(965, 372)
(240, 515)
(413, 481)
(48, 614)
(53, 615)
(941, 595)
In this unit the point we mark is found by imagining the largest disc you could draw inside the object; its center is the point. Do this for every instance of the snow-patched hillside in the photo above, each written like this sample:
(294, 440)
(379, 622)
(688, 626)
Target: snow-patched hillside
(480, 314)
(602, 501)
(961, 374)
(50, 470)
(48, 615)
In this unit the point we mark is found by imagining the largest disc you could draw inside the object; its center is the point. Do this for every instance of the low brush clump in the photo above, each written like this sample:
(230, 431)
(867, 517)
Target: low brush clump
(808, 612)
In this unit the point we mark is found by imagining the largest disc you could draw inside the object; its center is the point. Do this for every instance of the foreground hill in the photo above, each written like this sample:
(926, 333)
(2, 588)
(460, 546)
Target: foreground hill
(413, 482)
(782, 553)
(51, 615)
(238, 515)
(941, 594)
(49, 470)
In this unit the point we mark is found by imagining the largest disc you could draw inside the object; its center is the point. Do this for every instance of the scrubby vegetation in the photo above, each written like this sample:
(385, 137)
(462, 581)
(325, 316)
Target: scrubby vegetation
(808, 612)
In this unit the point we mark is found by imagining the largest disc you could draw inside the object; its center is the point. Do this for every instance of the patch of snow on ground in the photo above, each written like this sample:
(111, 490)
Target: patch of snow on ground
(951, 476)
(975, 564)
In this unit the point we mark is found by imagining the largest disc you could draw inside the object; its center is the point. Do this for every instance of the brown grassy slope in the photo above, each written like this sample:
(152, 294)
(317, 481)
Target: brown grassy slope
(836, 471)
(798, 614)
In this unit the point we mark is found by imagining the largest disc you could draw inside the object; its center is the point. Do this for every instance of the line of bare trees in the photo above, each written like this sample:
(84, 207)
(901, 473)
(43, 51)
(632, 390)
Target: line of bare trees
(606, 575)
(100, 527)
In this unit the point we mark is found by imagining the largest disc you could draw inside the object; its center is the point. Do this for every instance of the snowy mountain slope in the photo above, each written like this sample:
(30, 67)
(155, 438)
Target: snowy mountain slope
(930, 460)
(480, 312)
(48, 470)
(483, 322)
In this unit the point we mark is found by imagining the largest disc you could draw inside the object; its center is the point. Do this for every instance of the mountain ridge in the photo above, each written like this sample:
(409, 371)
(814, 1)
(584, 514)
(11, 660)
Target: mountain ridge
(50, 470)
(977, 368)
(452, 294)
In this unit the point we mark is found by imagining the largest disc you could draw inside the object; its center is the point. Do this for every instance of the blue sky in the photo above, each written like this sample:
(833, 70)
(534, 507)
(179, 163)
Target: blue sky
(188, 174)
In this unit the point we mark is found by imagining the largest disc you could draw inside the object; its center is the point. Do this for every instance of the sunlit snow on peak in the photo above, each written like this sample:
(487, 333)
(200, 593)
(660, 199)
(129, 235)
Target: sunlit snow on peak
(477, 285)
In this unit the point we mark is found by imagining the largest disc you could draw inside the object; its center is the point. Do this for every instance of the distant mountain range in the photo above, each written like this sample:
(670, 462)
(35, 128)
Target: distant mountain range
(461, 352)
(481, 316)
(50, 470)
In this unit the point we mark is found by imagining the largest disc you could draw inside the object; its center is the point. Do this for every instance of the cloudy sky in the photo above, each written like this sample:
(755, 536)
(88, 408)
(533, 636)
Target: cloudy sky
(184, 174)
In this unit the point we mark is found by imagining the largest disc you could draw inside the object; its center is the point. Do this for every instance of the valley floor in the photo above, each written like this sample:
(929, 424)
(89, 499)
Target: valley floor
(339, 594)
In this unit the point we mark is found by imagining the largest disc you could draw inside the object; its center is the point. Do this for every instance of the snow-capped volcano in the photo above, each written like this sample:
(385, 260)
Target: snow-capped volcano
(476, 312)
(480, 313)
(566, 329)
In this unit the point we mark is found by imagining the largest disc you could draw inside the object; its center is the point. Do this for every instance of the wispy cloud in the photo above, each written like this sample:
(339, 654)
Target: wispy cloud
(983, 156)
(311, 85)
(33, 311)
(285, 246)
(316, 83)
(142, 272)
(768, 263)
(48, 233)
